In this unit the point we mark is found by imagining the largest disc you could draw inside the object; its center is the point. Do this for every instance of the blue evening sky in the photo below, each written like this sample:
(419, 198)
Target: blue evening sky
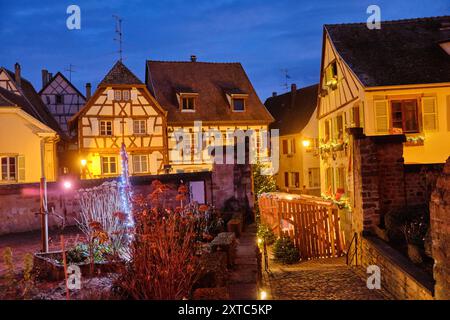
(265, 36)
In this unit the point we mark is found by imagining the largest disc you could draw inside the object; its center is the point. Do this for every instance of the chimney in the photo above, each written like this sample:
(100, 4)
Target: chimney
(274, 94)
(17, 75)
(293, 93)
(45, 77)
(293, 88)
(88, 90)
(193, 58)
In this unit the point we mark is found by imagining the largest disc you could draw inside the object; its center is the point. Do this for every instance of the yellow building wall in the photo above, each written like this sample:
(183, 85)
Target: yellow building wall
(19, 139)
(436, 146)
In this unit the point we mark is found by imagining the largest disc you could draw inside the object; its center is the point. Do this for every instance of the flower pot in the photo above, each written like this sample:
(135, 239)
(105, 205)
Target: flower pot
(414, 253)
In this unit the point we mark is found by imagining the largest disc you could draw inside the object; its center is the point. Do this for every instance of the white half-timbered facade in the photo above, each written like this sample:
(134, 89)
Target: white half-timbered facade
(62, 99)
(121, 111)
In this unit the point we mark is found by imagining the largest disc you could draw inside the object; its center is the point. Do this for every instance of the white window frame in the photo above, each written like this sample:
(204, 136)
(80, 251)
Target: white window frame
(8, 167)
(138, 128)
(238, 98)
(109, 163)
(117, 95)
(103, 128)
(312, 182)
(126, 95)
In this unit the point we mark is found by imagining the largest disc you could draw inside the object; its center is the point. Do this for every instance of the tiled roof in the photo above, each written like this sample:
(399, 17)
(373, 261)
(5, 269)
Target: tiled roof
(212, 82)
(401, 52)
(293, 112)
(31, 103)
(120, 74)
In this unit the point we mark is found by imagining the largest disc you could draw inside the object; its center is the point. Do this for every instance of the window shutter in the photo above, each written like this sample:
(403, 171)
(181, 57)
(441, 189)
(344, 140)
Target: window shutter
(134, 95)
(21, 168)
(429, 113)
(381, 116)
(111, 95)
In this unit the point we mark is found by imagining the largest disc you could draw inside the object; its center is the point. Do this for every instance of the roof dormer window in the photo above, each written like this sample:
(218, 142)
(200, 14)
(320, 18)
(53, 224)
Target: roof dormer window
(237, 101)
(238, 104)
(188, 101)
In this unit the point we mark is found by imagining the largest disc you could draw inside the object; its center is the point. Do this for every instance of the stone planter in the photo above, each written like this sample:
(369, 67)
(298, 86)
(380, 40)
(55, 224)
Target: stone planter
(46, 266)
(235, 225)
(226, 242)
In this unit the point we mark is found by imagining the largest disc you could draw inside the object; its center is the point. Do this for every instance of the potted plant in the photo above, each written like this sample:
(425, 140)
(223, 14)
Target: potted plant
(414, 232)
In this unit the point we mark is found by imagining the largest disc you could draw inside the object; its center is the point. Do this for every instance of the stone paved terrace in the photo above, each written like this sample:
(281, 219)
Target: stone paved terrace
(322, 279)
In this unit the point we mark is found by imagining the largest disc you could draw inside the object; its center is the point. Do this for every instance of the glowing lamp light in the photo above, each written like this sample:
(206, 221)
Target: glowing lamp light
(83, 162)
(67, 185)
(306, 143)
(260, 240)
(263, 295)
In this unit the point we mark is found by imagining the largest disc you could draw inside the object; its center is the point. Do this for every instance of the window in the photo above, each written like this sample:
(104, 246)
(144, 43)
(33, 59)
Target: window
(109, 165)
(59, 99)
(340, 180)
(327, 130)
(286, 179)
(288, 146)
(354, 114)
(188, 103)
(126, 95)
(140, 126)
(339, 128)
(9, 168)
(329, 183)
(331, 76)
(405, 116)
(117, 95)
(295, 179)
(285, 146)
(238, 104)
(314, 177)
(106, 128)
(140, 163)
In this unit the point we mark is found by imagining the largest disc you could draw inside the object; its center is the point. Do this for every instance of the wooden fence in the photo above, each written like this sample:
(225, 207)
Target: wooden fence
(311, 222)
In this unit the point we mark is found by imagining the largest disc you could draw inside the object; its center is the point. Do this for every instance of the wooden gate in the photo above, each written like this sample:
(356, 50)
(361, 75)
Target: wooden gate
(311, 222)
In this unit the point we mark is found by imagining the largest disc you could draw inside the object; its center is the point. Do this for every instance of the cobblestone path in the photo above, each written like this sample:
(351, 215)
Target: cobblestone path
(322, 279)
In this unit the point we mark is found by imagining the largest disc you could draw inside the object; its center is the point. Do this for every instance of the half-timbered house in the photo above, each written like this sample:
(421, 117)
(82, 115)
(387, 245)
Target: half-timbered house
(121, 111)
(62, 98)
(219, 95)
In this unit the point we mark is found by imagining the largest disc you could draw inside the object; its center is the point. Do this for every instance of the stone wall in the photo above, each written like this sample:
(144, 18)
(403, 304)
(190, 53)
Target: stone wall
(420, 181)
(20, 203)
(399, 276)
(378, 179)
(440, 227)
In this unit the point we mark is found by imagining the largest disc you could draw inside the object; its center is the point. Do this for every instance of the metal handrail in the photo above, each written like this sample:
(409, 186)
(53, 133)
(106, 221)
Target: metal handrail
(355, 253)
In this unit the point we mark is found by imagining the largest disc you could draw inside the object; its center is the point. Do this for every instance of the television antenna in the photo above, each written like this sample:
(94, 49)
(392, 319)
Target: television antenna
(70, 70)
(118, 32)
(286, 78)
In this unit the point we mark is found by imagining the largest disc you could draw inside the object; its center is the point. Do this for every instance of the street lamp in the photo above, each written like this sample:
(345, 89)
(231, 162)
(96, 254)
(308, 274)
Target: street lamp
(67, 185)
(306, 143)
